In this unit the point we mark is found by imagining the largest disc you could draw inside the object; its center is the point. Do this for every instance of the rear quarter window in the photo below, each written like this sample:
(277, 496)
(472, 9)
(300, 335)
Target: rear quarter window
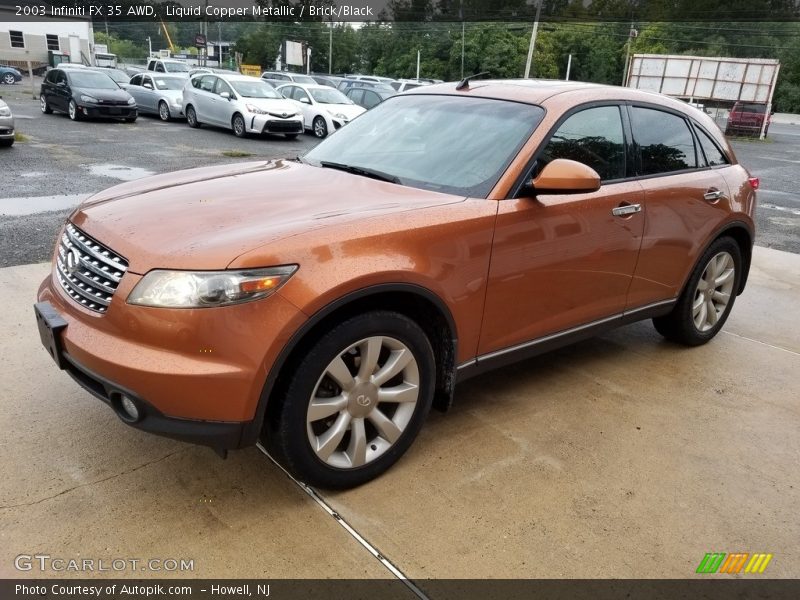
(664, 139)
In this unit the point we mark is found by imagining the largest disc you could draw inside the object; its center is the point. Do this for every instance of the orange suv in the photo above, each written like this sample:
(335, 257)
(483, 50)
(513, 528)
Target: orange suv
(324, 304)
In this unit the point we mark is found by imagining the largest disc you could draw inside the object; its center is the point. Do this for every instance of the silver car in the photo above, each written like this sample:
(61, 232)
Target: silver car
(6, 125)
(158, 93)
(240, 103)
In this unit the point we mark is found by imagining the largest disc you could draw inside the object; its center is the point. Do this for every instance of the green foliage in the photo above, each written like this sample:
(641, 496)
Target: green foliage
(124, 49)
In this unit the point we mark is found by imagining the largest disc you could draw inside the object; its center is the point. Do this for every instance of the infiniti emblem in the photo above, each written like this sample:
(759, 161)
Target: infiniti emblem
(363, 400)
(73, 261)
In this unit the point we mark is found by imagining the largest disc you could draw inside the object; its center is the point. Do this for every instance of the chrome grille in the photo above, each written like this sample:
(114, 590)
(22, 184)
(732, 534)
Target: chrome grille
(88, 271)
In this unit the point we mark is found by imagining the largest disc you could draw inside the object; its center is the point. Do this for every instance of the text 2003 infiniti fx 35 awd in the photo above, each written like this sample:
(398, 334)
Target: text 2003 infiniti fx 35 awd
(324, 304)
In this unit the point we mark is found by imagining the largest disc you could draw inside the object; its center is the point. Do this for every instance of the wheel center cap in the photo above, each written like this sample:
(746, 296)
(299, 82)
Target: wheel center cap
(362, 399)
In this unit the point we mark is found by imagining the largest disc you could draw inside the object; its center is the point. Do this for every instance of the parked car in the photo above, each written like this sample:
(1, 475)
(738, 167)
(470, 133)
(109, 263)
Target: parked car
(118, 75)
(324, 109)
(367, 98)
(323, 305)
(328, 80)
(9, 75)
(372, 78)
(158, 94)
(85, 93)
(747, 118)
(240, 103)
(163, 65)
(403, 85)
(346, 84)
(6, 125)
(198, 70)
(277, 78)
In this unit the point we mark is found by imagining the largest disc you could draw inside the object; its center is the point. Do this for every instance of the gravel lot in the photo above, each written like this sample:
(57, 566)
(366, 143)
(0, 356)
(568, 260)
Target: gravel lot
(61, 162)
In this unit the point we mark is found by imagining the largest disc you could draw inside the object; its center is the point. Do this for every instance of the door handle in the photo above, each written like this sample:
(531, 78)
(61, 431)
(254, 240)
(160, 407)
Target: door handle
(626, 209)
(712, 194)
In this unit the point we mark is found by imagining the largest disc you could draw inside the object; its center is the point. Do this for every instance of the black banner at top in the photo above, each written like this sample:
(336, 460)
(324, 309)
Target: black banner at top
(401, 10)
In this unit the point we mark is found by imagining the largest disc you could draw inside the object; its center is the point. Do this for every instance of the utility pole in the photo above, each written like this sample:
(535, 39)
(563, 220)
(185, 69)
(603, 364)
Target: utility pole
(461, 16)
(330, 48)
(631, 34)
(569, 66)
(149, 47)
(533, 39)
(417, 65)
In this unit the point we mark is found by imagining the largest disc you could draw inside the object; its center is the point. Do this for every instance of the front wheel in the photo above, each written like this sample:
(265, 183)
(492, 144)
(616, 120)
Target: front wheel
(44, 105)
(707, 300)
(237, 124)
(163, 111)
(191, 117)
(355, 401)
(9, 79)
(320, 127)
(72, 111)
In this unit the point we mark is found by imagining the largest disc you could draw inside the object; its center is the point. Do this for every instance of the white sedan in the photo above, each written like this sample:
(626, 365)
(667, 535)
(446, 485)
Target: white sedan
(324, 109)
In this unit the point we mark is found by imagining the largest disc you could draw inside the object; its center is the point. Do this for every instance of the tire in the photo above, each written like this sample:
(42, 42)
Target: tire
(291, 136)
(319, 127)
(9, 79)
(238, 126)
(191, 117)
(692, 321)
(344, 463)
(44, 105)
(6, 143)
(163, 111)
(72, 111)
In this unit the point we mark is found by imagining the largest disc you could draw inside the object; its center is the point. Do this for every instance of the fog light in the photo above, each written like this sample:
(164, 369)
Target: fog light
(129, 408)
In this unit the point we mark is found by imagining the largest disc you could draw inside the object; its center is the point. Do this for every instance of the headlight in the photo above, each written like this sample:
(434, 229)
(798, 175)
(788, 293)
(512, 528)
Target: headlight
(5, 112)
(255, 110)
(341, 116)
(131, 101)
(203, 289)
(85, 98)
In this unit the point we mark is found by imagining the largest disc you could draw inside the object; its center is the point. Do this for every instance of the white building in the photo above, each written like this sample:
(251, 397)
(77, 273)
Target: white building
(22, 41)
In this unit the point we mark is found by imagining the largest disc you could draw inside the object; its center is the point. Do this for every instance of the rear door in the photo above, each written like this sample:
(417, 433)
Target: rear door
(223, 107)
(563, 261)
(205, 99)
(685, 201)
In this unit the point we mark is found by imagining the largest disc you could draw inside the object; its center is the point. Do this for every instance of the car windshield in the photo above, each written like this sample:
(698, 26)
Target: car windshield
(176, 67)
(169, 83)
(305, 79)
(117, 75)
(329, 96)
(255, 89)
(92, 79)
(440, 143)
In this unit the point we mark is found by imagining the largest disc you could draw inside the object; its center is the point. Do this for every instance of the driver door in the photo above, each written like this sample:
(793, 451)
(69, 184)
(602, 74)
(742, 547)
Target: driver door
(560, 261)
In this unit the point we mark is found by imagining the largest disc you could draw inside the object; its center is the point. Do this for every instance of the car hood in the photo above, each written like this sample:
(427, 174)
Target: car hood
(119, 95)
(351, 111)
(205, 218)
(274, 105)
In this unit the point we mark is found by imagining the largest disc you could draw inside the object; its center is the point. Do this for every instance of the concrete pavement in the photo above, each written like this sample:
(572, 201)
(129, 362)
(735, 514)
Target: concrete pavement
(622, 456)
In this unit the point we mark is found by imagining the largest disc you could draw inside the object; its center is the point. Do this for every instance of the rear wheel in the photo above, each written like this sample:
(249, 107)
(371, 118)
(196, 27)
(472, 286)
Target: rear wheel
(707, 300)
(44, 105)
(191, 117)
(320, 127)
(355, 401)
(163, 111)
(9, 79)
(238, 126)
(73, 112)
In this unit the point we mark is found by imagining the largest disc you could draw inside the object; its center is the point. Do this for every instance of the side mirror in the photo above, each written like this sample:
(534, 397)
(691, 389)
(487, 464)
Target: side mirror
(564, 176)
(305, 100)
(149, 86)
(226, 95)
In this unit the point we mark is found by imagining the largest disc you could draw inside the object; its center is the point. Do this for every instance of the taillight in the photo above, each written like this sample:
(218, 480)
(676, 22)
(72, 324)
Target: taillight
(754, 182)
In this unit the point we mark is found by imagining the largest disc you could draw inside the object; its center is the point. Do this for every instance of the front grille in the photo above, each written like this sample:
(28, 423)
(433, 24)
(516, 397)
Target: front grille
(88, 271)
(284, 126)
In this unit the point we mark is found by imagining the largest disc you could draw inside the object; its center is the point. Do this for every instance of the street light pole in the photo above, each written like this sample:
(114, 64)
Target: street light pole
(533, 40)
(330, 48)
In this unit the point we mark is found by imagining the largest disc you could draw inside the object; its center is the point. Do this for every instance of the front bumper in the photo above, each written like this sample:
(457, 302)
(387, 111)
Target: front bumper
(197, 375)
(108, 112)
(6, 128)
(272, 124)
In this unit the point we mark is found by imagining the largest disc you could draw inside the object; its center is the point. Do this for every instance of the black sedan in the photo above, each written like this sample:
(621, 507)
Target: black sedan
(85, 94)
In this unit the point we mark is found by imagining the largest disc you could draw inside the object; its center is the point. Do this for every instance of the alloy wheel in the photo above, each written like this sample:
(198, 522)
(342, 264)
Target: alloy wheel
(163, 111)
(8, 78)
(43, 103)
(363, 402)
(713, 292)
(73, 110)
(320, 128)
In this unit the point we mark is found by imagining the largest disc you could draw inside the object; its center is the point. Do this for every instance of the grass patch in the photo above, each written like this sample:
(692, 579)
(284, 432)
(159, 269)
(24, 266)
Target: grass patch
(20, 137)
(236, 153)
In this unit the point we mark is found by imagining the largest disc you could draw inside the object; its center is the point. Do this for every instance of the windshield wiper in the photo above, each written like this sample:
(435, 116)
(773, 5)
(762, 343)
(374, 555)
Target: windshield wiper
(363, 171)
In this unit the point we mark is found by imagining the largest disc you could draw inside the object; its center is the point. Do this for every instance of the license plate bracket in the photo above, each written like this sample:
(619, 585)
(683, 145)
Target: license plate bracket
(50, 325)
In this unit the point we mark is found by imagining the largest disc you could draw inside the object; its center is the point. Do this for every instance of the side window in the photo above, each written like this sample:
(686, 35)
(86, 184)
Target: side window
(371, 99)
(714, 156)
(61, 77)
(355, 95)
(299, 94)
(160, 68)
(196, 81)
(207, 83)
(136, 80)
(593, 137)
(51, 76)
(664, 140)
(222, 86)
